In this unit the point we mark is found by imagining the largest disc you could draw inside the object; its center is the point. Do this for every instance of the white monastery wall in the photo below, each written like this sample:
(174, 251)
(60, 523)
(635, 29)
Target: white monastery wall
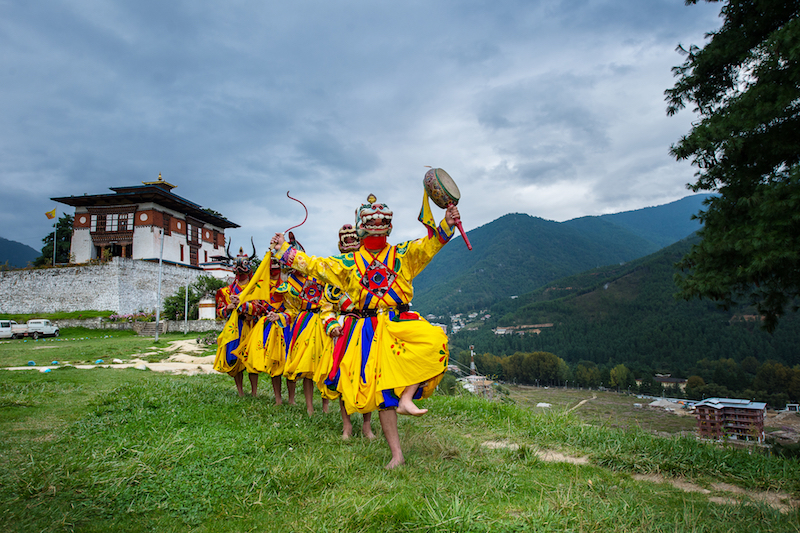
(122, 285)
(82, 244)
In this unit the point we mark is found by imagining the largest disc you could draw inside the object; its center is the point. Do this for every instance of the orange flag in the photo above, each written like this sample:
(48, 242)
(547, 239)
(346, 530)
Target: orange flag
(51, 214)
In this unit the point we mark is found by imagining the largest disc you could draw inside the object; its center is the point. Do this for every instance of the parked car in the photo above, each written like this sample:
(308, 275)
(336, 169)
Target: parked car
(6, 331)
(35, 328)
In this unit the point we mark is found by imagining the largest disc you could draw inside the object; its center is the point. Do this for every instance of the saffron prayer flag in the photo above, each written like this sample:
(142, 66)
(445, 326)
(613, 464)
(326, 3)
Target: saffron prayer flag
(51, 214)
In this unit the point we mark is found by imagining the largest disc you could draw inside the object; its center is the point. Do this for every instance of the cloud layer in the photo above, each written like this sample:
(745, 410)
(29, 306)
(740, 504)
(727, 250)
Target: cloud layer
(552, 108)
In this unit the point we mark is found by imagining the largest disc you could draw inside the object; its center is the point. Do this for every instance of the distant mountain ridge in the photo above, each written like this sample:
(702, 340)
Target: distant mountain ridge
(629, 314)
(518, 253)
(17, 254)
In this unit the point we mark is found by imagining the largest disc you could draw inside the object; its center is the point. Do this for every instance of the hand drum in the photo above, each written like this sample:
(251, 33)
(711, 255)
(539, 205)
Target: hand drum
(443, 191)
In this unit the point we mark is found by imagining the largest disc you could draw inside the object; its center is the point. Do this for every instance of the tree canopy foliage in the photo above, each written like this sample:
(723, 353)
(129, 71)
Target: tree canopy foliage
(63, 243)
(203, 287)
(745, 86)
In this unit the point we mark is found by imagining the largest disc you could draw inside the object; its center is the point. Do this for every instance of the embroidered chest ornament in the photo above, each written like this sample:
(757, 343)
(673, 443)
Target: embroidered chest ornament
(312, 292)
(378, 278)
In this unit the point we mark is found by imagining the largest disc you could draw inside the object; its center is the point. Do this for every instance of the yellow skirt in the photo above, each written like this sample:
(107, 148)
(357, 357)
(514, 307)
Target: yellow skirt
(307, 346)
(386, 354)
(265, 349)
(227, 360)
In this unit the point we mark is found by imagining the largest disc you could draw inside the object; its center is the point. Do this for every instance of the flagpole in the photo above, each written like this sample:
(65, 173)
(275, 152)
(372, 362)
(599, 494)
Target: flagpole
(55, 229)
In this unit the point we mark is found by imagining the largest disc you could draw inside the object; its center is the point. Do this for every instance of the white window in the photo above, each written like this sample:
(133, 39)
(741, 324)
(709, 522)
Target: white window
(94, 223)
(111, 222)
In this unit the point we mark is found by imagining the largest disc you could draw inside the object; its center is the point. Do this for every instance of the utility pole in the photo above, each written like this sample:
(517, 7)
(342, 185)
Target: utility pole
(186, 308)
(472, 369)
(158, 297)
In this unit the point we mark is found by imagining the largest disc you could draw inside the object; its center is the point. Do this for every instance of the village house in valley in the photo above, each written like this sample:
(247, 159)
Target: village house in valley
(728, 417)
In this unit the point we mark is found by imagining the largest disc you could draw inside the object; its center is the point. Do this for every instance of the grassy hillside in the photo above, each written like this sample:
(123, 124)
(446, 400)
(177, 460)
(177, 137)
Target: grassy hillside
(125, 450)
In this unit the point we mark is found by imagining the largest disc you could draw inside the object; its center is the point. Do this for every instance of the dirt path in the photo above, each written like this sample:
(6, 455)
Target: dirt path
(723, 493)
(185, 359)
(594, 397)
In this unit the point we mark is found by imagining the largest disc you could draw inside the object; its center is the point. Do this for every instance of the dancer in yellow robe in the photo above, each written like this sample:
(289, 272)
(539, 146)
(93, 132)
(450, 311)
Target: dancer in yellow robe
(329, 368)
(308, 340)
(392, 355)
(265, 349)
(247, 314)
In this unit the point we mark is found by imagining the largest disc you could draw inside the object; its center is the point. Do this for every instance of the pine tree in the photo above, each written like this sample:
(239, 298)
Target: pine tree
(745, 86)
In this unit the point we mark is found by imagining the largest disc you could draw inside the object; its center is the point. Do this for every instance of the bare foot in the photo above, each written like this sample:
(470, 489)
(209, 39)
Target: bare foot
(409, 408)
(347, 433)
(367, 432)
(394, 463)
(278, 401)
(310, 412)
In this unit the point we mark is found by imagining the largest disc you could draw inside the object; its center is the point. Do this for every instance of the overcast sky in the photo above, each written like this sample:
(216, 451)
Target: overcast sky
(551, 108)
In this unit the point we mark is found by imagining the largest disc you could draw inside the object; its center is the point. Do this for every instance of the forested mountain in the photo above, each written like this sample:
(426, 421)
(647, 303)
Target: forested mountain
(627, 314)
(17, 254)
(664, 224)
(518, 253)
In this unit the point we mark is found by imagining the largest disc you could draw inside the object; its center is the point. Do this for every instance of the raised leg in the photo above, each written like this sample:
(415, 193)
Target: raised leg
(406, 404)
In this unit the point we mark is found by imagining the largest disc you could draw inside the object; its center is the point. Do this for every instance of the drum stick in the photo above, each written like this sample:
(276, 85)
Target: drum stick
(463, 233)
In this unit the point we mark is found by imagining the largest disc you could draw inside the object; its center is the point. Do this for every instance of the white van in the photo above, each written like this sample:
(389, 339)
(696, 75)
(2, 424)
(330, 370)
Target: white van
(5, 329)
(40, 327)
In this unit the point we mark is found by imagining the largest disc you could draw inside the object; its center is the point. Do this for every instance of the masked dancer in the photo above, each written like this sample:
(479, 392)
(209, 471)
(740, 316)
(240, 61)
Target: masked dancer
(392, 355)
(328, 379)
(308, 342)
(265, 350)
(246, 315)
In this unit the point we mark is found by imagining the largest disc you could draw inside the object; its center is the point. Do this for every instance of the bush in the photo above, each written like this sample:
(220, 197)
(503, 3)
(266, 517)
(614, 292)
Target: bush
(202, 287)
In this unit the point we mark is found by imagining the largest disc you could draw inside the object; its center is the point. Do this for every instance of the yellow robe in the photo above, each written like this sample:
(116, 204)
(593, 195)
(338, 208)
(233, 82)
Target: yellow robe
(265, 349)
(395, 348)
(226, 359)
(308, 341)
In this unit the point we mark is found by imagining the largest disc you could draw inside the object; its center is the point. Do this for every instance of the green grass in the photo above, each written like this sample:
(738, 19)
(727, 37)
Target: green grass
(58, 315)
(128, 450)
(605, 408)
(82, 345)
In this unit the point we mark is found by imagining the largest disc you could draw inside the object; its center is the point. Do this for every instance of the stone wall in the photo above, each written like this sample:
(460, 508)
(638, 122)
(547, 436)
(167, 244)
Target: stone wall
(175, 326)
(124, 286)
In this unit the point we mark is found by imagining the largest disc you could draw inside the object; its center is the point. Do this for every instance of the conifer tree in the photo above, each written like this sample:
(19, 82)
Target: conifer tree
(745, 86)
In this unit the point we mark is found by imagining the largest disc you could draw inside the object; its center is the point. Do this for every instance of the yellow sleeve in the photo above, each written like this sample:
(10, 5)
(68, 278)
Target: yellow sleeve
(415, 255)
(329, 312)
(291, 305)
(326, 269)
